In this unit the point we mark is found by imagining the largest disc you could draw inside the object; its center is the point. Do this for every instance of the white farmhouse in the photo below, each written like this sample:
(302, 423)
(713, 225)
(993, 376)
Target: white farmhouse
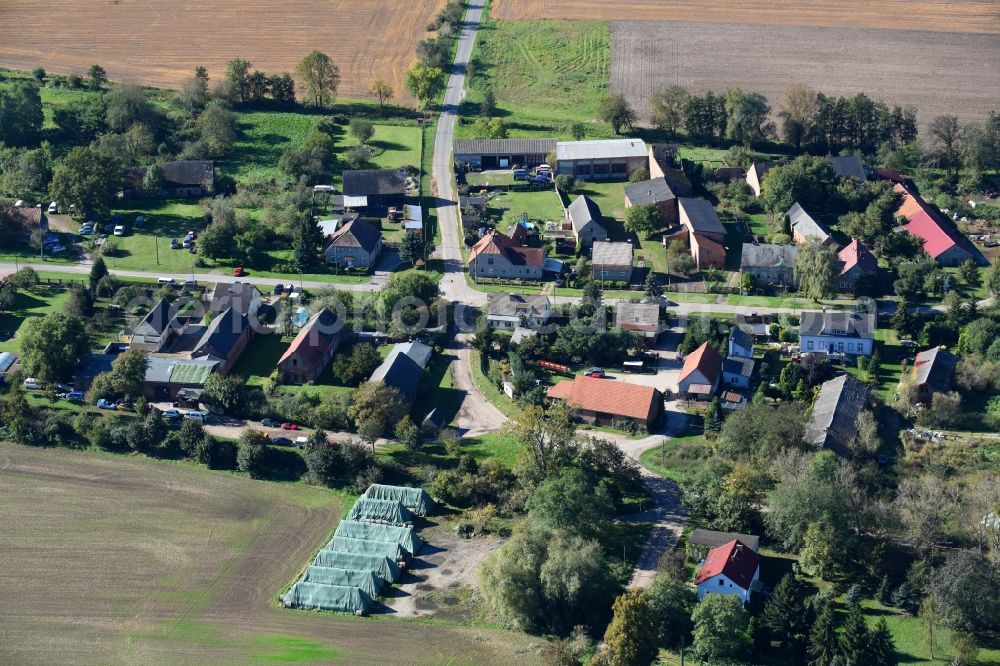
(837, 332)
(731, 568)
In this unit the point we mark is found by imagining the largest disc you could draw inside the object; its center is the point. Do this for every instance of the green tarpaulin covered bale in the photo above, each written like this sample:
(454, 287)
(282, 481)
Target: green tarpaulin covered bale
(414, 499)
(390, 512)
(380, 565)
(369, 583)
(393, 551)
(404, 536)
(344, 598)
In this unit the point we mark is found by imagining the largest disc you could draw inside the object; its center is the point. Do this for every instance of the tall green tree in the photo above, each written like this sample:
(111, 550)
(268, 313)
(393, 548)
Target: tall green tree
(86, 180)
(237, 75)
(721, 627)
(855, 639)
(785, 614)
(425, 83)
(97, 272)
(411, 248)
(632, 638)
(667, 108)
(98, 77)
(816, 269)
(320, 76)
(823, 642)
(217, 127)
(53, 346)
(21, 114)
(556, 503)
(747, 117)
(643, 219)
(617, 112)
(251, 452)
(883, 648)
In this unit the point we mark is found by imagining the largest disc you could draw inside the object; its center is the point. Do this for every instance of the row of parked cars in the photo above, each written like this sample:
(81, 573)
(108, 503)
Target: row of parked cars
(62, 390)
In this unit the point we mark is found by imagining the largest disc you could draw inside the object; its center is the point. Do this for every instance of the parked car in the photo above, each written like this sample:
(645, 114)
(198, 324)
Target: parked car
(123, 406)
(300, 442)
(87, 229)
(187, 241)
(32, 384)
(597, 373)
(106, 404)
(281, 441)
(289, 426)
(269, 423)
(196, 416)
(171, 414)
(119, 230)
(175, 244)
(166, 282)
(238, 272)
(75, 396)
(191, 282)
(53, 208)
(279, 289)
(520, 174)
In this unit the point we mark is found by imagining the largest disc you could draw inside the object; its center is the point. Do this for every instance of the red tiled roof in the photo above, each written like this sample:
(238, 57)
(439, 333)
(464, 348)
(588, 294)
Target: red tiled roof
(314, 339)
(498, 243)
(856, 254)
(607, 396)
(704, 358)
(924, 222)
(734, 559)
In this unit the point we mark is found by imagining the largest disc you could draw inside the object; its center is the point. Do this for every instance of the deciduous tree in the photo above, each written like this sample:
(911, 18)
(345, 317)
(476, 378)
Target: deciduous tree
(425, 83)
(616, 111)
(632, 638)
(817, 268)
(720, 629)
(382, 91)
(667, 108)
(53, 346)
(86, 180)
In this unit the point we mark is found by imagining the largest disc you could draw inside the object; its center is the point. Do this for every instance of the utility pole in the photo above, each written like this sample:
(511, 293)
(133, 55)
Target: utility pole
(156, 244)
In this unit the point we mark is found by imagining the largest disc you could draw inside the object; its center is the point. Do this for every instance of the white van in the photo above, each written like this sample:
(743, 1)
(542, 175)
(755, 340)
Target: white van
(196, 416)
(119, 230)
(166, 282)
(53, 208)
(32, 384)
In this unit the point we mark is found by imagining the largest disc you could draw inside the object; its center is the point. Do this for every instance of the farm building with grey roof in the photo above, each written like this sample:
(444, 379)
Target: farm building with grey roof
(503, 153)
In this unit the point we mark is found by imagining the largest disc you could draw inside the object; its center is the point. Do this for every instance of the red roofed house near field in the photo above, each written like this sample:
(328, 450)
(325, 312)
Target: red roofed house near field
(311, 351)
(499, 256)
(857, 262)
(603, 401)
(731, 568)
(942, 240)
(700, 375)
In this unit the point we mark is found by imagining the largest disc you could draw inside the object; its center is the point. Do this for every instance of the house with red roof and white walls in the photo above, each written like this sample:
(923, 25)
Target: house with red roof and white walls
(732, 568)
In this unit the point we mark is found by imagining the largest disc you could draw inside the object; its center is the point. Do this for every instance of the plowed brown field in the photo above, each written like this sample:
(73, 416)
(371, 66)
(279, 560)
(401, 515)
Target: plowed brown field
(108, 559)
(938, 72)
(938, 15)
(160, 42)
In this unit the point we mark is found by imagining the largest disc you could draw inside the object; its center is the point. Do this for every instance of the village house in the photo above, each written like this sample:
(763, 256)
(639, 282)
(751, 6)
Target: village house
(700, 374)
(374, 190)
(771, 266)
(833, 422)
(602, 159)
(18, 222)
(755, 176)
(587, 221)
(156, 329)
(639, 318)
(932, 373)
(706, 232)
(242, 297)
(605, 401)
(487, 154)
(849, 166)
(498, 256)
(837, 332)
(653, 192)
(740, 343)
(737, 369)
(857, 263)
(612, 262)
(357, 244)
(311, 350)
(732, 568)
(403, 369)
(805, 228)
(225, 338)
(941, 238)
(181, 178)
(511, 311)
(708, 539)
(663, 163)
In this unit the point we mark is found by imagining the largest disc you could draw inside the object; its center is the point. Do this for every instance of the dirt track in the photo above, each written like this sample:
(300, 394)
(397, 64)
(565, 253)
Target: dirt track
(113, 559)
(160, 43)
(939, 72)
(982, 16)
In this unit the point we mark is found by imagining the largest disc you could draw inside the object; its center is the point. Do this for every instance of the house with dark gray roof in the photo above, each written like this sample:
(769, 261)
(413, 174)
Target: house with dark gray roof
(849, 166)
(655, 192)
(833, 422)
(663, 163)
(737, 371)
(181, 178)
(706, 233)
(770, 265)
(357, 244)
(805, 228)
(509, 311)
(374, 188)
(837, 332)
(587, 221)
(400, 371)
(225, 339)
(612, 262)
(932, 372)
(740, 343)
(241, 296)
(640, 318)
(503, 153)
(155, 331)
(712, 539)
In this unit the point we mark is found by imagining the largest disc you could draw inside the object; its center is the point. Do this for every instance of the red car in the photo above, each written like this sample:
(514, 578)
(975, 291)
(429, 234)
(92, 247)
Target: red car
(289, 426)
(239, 272)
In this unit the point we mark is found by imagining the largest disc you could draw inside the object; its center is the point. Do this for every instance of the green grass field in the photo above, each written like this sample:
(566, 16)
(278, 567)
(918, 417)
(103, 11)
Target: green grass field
(545, 74)
(540, 205)
(609, 197)
(46, 299)
(677, 457)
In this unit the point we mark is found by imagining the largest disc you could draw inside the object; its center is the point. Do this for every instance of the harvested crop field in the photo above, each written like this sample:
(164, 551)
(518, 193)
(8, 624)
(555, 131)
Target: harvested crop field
(160, 43)
(112, 559)
(936, 71)
(981, 16)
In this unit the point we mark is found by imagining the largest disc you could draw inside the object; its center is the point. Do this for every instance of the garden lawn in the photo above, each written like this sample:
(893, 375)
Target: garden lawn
(263, 137)
(545, 75)
(540, 205)
(497, 445)
(147, 247)
(395, 145)
(489, 390)
(609, 197)
(41, 301)
(678, 458)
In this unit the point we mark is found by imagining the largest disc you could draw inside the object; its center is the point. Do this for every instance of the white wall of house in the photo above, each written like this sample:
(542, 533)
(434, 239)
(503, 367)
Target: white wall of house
(836, 343)
(721, 584)
(696, 377)
(739, 350)
(732, 379)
